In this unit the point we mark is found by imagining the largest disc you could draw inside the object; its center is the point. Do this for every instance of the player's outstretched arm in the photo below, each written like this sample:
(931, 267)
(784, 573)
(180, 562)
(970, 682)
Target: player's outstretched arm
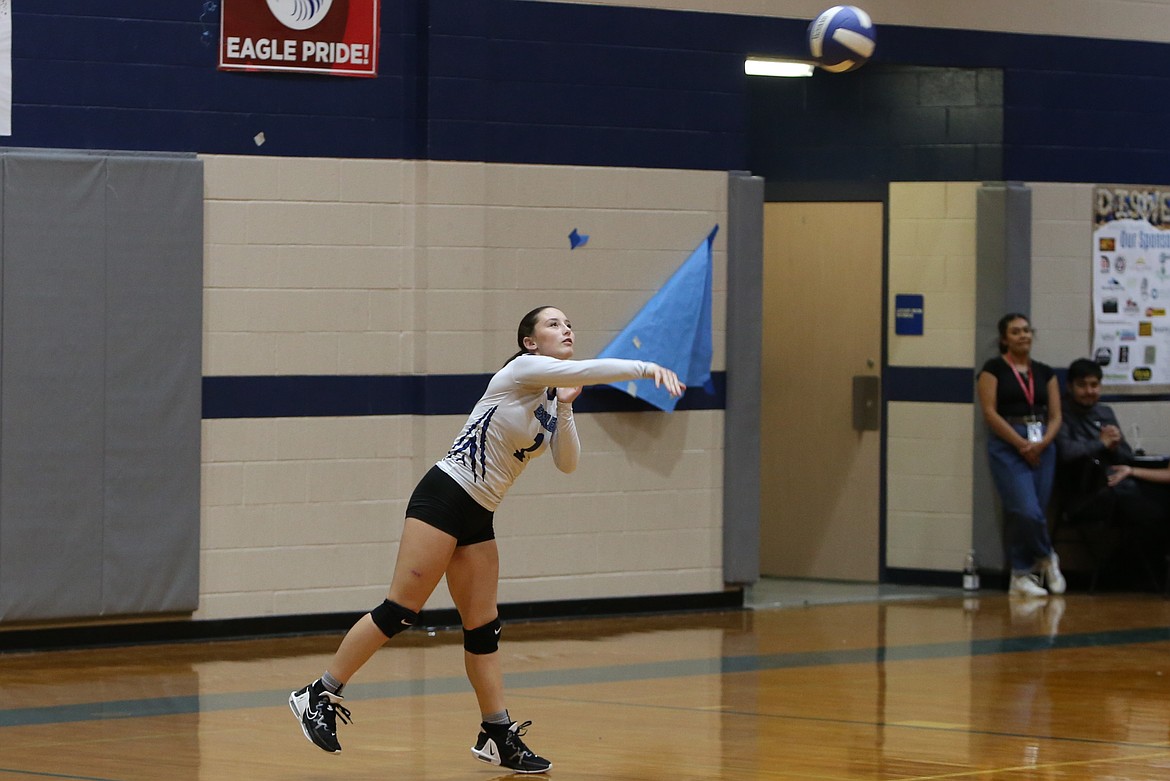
(537, 370)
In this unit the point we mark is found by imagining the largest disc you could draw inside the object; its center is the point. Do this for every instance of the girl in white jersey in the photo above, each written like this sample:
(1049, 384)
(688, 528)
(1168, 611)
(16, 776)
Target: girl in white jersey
(526, 409)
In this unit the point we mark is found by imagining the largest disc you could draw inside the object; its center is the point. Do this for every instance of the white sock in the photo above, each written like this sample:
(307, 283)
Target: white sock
(331, 684)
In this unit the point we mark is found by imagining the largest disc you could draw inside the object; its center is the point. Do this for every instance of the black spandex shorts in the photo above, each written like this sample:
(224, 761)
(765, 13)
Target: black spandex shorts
(441, 502)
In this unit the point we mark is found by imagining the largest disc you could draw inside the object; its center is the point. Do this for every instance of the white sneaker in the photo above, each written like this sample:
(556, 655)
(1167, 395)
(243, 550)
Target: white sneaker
(1053, 579)
(1027, 585)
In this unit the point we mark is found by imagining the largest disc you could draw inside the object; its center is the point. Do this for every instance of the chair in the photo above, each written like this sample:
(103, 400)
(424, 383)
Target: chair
(1086, 516)
(1083, 513)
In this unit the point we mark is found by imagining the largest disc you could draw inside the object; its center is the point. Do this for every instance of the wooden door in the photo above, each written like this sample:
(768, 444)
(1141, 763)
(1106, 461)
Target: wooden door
(820, 477)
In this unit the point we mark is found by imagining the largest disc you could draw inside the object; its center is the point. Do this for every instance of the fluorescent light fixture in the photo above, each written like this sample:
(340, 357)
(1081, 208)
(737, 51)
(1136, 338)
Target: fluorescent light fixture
(763, 66)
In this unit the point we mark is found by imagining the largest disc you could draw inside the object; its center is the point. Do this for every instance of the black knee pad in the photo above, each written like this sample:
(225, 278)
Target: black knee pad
(393, 618)
(484, 640)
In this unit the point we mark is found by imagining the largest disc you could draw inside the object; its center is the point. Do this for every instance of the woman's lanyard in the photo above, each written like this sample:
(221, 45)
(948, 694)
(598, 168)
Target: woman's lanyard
(1029, 389)
(1035, 428)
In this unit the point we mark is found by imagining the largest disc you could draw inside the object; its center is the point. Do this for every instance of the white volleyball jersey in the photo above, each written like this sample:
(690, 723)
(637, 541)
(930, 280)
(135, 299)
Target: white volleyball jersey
(518, 418)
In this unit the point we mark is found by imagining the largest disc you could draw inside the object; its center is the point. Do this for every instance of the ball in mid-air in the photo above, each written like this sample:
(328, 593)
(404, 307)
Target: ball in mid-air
(841, 38)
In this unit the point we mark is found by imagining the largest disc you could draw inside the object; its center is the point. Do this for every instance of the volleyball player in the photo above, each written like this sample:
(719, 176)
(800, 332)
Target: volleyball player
(526, 410)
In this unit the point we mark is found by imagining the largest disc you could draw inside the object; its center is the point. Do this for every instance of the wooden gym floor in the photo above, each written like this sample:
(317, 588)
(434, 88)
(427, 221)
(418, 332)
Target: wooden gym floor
(937, 687)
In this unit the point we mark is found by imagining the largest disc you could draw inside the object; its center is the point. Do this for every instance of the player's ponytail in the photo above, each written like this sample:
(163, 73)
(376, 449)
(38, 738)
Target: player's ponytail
(526, 329)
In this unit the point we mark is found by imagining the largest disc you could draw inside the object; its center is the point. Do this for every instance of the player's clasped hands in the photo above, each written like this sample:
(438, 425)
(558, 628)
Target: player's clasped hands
(568, 395)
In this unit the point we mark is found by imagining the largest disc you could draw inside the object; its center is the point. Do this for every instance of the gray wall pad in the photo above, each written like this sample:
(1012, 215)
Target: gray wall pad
(154, 324)
(1003, 258)
(741, 444)
(51, 397)
(101, 306)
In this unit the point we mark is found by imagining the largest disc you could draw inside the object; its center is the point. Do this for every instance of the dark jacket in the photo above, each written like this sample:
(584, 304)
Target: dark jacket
(1080, 435)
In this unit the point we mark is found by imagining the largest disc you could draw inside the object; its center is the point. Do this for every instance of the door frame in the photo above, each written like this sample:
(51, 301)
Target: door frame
(744, 301)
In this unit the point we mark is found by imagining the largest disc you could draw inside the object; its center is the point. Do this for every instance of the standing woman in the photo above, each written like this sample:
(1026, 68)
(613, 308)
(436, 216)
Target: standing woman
(1020, 399)
(526, 410)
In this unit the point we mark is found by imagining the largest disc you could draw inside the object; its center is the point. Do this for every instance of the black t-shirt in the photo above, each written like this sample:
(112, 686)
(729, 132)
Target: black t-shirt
(1010, 400)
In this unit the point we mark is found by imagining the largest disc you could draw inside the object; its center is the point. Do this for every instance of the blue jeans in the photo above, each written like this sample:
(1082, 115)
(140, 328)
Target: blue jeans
(1024, 493)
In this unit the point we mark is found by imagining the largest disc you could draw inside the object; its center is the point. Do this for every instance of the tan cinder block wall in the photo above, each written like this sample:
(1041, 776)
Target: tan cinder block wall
(929, 446)
(412, 267)
(1142, 20)
(932, 251)
(1062, 231)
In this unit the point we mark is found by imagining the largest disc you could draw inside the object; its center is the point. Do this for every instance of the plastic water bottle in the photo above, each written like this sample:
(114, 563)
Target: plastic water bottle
(970, 572)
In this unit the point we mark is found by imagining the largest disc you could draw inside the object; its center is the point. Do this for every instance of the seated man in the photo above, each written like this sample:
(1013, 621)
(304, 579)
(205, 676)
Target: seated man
(1090, 446)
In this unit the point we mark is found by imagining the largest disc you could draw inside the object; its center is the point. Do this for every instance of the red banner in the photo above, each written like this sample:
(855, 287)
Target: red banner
(332, 37)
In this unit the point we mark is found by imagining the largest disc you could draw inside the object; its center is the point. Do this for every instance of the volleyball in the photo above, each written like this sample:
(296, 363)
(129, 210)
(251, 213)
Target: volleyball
(842, 38)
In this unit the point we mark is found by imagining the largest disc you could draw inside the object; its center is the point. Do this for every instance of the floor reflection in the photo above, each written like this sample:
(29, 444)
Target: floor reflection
(894, 685)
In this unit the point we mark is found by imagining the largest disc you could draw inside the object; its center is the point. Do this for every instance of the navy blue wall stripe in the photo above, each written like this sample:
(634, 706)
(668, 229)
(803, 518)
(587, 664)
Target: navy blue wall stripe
(435, 394)
(930, 384)
(565, 84)
(943, 385)
(456, 394)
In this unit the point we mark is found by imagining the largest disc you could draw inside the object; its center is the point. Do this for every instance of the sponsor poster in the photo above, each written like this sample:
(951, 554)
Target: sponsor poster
(332, 37)
(1131, 284)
